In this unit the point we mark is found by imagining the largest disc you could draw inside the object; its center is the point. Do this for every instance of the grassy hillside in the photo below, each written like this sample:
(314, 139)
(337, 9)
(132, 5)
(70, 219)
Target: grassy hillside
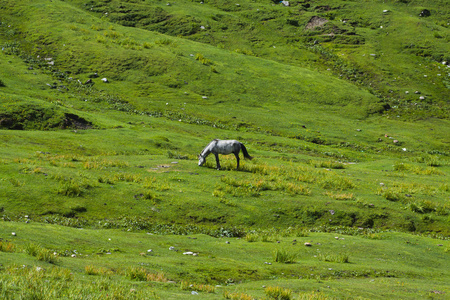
(105, 105)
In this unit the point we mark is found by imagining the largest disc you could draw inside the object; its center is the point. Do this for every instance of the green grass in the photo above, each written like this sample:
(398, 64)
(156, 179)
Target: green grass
(235, 265)
(347, 156)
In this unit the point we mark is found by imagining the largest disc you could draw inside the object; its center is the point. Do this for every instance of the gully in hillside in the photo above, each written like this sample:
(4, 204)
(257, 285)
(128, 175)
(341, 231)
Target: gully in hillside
(217, 147)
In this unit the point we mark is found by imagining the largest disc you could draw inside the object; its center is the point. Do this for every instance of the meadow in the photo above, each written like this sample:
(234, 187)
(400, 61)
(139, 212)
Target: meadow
(105, 105)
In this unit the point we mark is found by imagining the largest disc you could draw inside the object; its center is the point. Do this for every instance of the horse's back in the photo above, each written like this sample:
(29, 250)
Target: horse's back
(227, 146)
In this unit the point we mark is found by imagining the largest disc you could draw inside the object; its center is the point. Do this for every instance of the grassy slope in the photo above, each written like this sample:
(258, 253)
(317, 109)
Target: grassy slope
(122, 172)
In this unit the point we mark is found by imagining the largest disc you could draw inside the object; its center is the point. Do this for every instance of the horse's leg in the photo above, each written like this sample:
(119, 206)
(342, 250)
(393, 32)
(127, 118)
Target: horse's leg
(217, 161)
(237, 159)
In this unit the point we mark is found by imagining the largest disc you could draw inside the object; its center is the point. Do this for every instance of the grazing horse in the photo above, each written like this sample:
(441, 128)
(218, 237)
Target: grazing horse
(217, 147)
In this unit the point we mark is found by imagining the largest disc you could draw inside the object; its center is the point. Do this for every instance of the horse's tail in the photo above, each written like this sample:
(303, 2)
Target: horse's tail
(244, 150)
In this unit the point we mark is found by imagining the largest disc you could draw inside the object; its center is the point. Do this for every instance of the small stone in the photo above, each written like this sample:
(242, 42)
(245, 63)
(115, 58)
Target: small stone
(227, 242)
(13, 233)
(171, 248)
(308, 244)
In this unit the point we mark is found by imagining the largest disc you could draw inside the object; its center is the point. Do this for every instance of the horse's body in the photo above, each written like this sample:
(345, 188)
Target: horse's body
(217, 147)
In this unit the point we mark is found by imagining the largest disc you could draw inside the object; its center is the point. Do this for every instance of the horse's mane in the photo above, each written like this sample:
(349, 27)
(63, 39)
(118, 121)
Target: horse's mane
(213, 141)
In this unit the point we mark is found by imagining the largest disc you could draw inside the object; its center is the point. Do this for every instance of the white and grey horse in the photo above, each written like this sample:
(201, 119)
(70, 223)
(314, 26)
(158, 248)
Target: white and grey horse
(217, 147)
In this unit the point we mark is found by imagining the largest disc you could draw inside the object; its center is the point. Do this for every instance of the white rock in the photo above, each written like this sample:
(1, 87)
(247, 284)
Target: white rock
(171, 248)
(13, 233)
(105, 80)
(188, 253)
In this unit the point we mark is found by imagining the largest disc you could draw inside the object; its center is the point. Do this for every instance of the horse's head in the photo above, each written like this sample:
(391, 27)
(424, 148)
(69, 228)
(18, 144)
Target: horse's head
(201, 160)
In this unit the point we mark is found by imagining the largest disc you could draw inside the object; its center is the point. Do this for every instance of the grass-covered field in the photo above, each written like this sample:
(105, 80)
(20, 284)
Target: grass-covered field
(344, 106)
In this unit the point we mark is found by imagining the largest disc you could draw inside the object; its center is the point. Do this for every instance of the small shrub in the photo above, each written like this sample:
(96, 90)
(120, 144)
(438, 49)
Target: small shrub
(278, 293)
(283, 256)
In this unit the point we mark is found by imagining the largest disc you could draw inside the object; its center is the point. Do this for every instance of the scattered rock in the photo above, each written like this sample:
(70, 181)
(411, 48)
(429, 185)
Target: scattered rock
(171, 248)
(13, 233)
(425, 13)
(308, 244)
(105, 80)
(316, 21)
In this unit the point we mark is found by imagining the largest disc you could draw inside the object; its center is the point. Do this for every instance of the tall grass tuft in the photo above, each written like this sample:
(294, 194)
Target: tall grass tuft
(41, 253)
(284, 256)
(70, 188)
(6, 246)
(314, 296)
(237, 296)
(137, 273)
(278, 293)
(331, 257)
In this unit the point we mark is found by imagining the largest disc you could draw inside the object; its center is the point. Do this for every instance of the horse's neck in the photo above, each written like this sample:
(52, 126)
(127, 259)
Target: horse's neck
(207, 151)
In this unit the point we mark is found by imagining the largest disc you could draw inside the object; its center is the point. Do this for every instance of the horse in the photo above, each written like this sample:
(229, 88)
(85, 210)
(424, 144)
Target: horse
(225, 147)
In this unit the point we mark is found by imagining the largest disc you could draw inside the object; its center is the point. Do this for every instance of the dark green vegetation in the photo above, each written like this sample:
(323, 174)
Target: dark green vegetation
(343, 104)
